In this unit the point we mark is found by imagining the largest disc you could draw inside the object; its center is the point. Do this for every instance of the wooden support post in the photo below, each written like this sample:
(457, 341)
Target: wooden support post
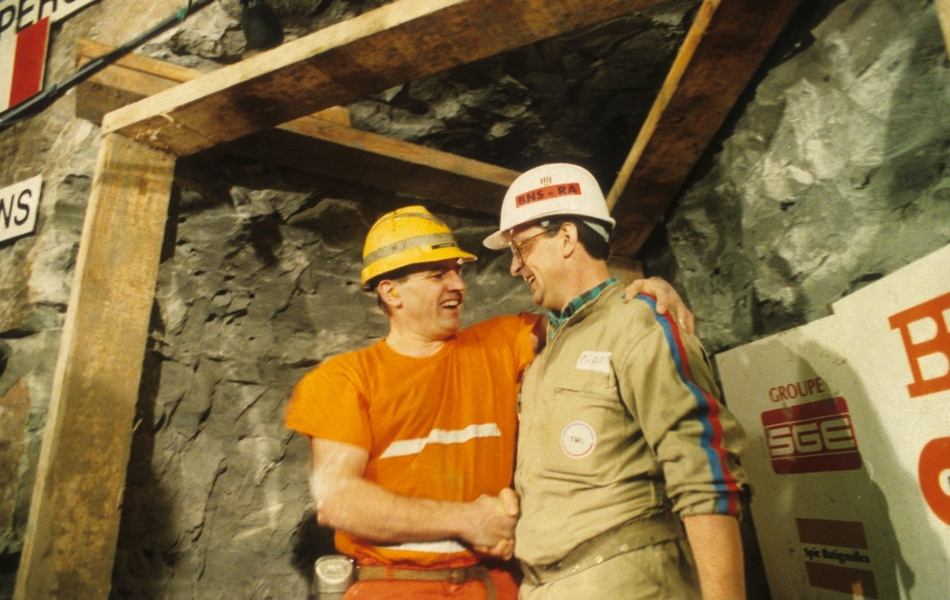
(727, 42)
(625, 269)
(74, 515)
(943, 14)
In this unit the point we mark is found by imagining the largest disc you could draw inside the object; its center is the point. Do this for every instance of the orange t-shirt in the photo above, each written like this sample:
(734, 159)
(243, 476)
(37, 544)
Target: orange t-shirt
(440, 427)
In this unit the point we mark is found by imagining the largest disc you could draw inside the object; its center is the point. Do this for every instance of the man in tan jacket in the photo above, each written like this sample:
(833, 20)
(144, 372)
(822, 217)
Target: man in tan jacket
(622, 440)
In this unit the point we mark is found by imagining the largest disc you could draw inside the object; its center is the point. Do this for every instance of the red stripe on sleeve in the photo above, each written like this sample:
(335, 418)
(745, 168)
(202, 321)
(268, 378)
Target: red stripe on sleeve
(713, 414)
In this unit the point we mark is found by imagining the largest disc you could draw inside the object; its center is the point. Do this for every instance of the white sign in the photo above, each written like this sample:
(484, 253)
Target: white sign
(19, 204)
(20, 14)
(848, 419)
(24, 39)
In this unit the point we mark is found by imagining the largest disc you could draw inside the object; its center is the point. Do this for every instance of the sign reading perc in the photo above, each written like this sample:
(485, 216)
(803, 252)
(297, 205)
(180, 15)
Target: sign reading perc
(19, 204)
(24, 37)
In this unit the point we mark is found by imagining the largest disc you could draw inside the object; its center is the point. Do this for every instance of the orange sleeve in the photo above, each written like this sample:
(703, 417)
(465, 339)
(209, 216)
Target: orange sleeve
(328, 403)
(516, 331)
(523, 341)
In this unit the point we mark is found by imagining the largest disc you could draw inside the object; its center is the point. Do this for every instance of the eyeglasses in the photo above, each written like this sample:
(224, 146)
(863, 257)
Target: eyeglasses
(517, 246)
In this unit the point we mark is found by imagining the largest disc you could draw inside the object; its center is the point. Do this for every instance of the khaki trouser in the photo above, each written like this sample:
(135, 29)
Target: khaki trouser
(665, 570)
(644, 558)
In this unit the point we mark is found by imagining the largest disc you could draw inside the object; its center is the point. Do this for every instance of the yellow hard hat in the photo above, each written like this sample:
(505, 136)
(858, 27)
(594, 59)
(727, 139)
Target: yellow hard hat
(407, 236)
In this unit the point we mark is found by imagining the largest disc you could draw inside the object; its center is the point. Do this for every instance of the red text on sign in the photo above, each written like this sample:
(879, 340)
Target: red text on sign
(811, 438)
(939, 344)
(799, 389)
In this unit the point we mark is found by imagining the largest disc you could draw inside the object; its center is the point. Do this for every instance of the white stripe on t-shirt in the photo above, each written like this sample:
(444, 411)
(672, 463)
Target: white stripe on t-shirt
(439, 547)
(441, 436)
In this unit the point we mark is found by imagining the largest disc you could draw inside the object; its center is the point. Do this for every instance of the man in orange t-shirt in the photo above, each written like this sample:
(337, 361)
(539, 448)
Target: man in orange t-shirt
(413, 438)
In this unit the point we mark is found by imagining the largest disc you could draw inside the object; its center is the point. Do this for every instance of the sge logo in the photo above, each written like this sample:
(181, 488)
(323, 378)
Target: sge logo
(807, 438)
(812, 437)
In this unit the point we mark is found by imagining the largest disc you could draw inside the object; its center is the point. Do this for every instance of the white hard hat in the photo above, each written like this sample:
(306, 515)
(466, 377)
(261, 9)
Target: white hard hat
(546, 191)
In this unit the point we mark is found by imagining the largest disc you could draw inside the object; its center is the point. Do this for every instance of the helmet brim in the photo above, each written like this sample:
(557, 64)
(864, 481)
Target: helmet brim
(498, 240)
(380, 269)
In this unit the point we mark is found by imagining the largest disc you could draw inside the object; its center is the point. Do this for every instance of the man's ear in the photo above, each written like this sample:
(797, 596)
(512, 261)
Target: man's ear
(388, 294)
(570, 242)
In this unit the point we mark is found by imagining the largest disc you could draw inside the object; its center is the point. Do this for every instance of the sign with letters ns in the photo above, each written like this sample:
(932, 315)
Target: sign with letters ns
(19, 204)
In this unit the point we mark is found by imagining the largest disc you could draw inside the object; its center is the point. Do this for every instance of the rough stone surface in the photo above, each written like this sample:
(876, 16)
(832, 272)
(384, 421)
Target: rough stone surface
(834, 176)
(35, 278)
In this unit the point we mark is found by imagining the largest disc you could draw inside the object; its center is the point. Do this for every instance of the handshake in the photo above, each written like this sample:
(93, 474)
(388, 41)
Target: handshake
(490, 525)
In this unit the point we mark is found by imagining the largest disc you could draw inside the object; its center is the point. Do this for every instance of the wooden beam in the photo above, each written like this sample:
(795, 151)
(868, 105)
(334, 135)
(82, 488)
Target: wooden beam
(73, 524)
(322, 143)
(134, 77)
(722, 51)
(391, 45)
(341, 152)
(943, 14)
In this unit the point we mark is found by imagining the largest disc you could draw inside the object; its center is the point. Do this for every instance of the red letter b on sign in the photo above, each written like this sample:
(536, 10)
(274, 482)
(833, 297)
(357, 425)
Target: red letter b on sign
(939, 344)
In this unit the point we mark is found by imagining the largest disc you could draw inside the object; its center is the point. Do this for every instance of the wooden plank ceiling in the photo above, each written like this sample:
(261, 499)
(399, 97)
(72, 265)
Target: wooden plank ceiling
(323, 143)
(392, 45)
(943, 15)
(723, 49)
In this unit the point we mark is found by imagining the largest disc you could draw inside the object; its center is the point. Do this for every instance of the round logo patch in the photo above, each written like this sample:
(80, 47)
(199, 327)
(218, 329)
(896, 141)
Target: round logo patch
(578, 439)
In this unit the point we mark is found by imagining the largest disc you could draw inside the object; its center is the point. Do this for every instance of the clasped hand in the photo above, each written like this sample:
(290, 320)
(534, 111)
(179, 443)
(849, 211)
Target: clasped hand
(493, 524)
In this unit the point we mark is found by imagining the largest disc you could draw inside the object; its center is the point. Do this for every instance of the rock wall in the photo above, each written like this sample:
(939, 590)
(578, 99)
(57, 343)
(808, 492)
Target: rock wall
(830, 176)
(36, 270)
(833, 175)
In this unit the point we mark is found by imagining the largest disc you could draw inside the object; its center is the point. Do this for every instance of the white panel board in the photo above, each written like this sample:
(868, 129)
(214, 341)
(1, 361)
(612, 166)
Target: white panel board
(836, 439)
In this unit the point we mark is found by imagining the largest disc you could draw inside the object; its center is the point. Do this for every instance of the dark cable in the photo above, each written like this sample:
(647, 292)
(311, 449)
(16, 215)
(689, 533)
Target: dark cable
(44, 99)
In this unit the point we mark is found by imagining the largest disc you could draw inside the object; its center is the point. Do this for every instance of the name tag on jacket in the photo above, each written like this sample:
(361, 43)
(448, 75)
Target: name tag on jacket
(594, 361)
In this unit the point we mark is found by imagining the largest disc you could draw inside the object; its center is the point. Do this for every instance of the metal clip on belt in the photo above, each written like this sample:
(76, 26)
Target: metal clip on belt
(456, 576)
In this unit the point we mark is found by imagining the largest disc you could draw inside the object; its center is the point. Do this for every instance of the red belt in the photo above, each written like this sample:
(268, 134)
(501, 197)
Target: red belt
(457, 576)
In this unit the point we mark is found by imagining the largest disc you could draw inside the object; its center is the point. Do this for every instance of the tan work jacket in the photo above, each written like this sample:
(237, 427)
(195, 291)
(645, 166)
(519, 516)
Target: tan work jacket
(619, 419)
